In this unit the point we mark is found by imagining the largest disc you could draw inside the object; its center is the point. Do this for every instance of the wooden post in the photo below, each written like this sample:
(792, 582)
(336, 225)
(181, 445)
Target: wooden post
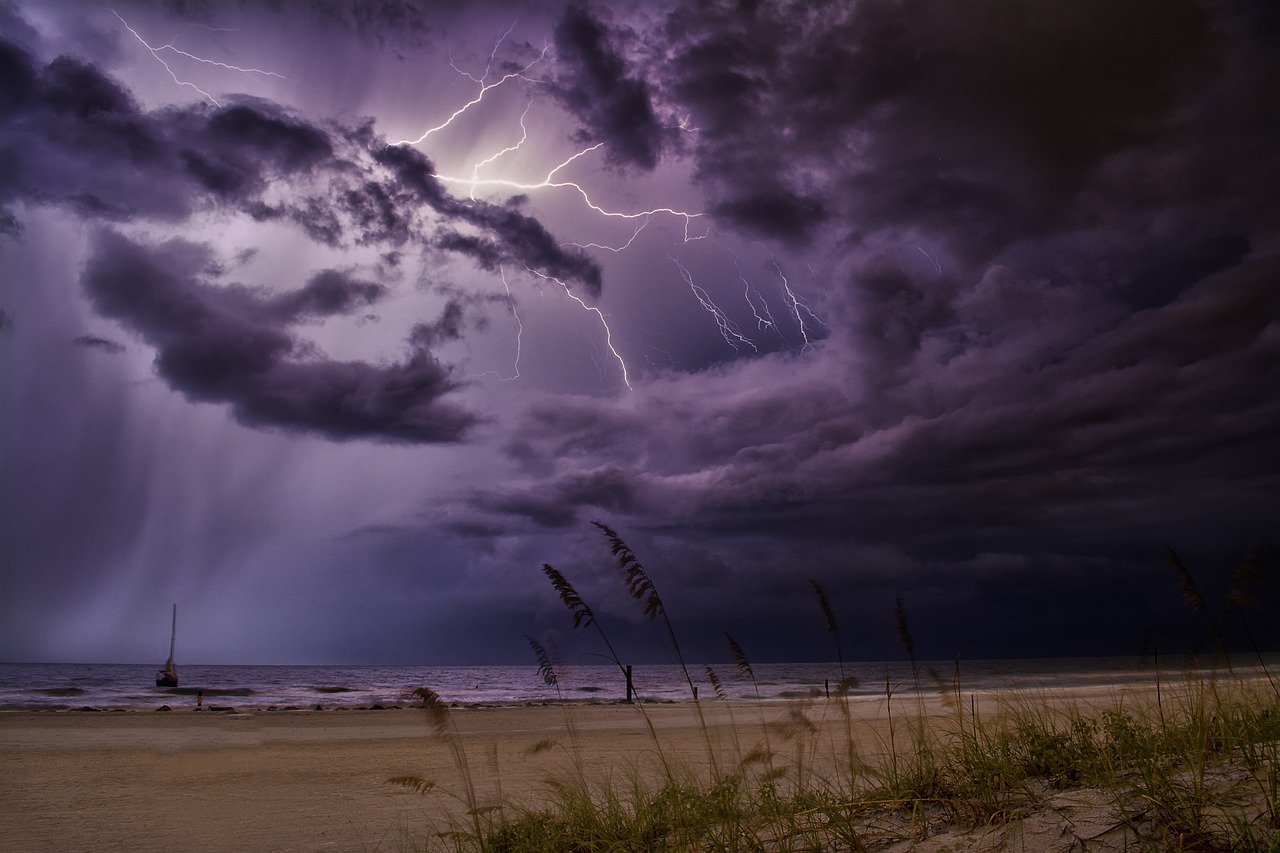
(630, 688)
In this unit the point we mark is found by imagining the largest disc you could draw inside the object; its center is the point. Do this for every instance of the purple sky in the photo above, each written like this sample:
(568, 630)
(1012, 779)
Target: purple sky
(333, 322)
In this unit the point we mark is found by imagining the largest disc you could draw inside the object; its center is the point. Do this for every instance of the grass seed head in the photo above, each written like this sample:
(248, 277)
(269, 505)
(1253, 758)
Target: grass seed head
(1190, 592)
(827, 613)
(582, 615)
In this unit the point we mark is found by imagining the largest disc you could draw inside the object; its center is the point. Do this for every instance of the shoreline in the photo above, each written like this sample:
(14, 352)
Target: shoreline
(62, 687)
(223, 701)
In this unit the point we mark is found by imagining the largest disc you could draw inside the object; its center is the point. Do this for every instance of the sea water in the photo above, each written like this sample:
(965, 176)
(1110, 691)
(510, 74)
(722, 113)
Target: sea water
(26, 686)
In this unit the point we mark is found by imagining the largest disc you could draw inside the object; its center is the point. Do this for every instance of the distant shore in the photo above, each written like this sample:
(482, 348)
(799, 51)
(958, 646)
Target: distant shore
(310, 780)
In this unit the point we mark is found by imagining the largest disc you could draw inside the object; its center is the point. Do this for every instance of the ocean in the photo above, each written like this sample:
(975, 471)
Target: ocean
(52, 687)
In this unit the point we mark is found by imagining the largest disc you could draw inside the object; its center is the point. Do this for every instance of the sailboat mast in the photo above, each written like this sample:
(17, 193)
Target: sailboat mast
(173, 634)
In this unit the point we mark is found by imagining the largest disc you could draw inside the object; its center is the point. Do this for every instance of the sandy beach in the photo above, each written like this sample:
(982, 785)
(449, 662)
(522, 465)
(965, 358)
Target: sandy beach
(318, 780)
(289, 781)
(282, 781)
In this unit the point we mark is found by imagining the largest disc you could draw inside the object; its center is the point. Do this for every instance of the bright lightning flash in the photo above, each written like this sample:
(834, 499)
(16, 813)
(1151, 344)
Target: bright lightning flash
(485, 88)
(729, 331)
(608, 333)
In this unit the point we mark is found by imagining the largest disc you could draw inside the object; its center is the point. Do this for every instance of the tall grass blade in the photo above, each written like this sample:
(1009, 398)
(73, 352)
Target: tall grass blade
(546, 668)
(827, 614)
(1248, 572)
(437, 710)
(715, 684)
(740, 658)
(413, 783)
(638, 582)
(582, 615)
(905, 638)
(829, 617)
(643, 589)
(1190, 592)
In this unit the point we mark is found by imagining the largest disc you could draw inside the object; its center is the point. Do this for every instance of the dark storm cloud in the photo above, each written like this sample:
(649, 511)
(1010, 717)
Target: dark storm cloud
(982, 124)
(1040, 239)
(75, 138)
(326, 293)
(510, 234)
(238, 147)
(78, 139)
(594, 85)
(773, 211)
(95, 342)
(1058, 425)
(222, 345)
(527, 240)
(393, 24)
(448, 327)
(560, 501)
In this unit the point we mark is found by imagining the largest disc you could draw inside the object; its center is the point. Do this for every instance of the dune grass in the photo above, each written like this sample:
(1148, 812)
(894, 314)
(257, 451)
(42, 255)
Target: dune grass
(1192, 769)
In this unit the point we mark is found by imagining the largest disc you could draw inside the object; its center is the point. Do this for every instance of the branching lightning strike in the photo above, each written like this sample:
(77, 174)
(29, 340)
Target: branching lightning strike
(728, 329)
(485, 88)
(796, 305)
(155, 51)
(763, 323)
(604, 323)
(511, 303)
(644, 223)
(549, 182)
(524, 137)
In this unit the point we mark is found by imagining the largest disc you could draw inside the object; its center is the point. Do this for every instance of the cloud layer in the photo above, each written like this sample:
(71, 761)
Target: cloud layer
(980, 309)
(81, 142)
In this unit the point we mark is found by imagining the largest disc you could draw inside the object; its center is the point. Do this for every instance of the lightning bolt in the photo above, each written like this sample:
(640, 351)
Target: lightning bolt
(604, 323)
(155, 51)
(937, 266)
(511, 303)
(554, 180)
(763, 323)
(644, 223)
(643, 217)
(728, 329)
(475, 181)
(485, 88)
(524, 137)
(795, 304)
(549, 182)
(683, 125)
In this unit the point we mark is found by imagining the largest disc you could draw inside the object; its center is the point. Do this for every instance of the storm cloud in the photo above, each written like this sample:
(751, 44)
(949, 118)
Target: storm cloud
(595, 86)
(82, 142)
(974, 305)
(222, 346)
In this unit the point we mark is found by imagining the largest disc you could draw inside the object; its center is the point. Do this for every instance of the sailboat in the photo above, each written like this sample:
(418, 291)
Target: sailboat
(168, 677)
